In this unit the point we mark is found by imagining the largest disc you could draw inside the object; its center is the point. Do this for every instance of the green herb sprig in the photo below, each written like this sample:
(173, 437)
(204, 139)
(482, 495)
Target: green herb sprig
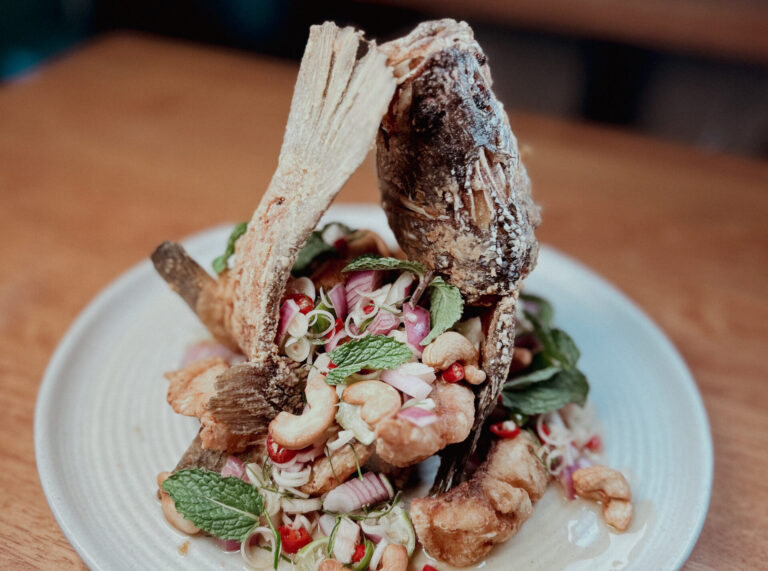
(220, 263)
(445, 308)
(371, 352)
(228, 508)
(553, 378)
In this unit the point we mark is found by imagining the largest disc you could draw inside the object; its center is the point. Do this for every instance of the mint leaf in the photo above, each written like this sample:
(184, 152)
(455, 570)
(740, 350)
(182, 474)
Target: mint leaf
(314, 247)
(220, 263)
(374, 262)
(539, 307)
(445, 308)
(225, 507)
(557, 345)
(536, 376)
(552, 380)
(565, 387)
(372, 352)
(566, 348)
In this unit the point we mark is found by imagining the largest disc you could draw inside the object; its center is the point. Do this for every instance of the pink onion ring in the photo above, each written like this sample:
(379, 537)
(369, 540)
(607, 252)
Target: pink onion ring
(418, 416)
(416, 321)
(410, 385)
(338, 298)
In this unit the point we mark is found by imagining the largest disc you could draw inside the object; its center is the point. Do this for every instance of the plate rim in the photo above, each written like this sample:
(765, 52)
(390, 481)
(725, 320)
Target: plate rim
(45, 460)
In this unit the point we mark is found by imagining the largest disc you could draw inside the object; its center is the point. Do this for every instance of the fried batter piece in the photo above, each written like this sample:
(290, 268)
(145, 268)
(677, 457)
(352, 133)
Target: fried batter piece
(194, 390)
(327, 473)
(189, 392)
(462, 525)
(610, 488)
(342, 91)
(402, 443)
(451, 177)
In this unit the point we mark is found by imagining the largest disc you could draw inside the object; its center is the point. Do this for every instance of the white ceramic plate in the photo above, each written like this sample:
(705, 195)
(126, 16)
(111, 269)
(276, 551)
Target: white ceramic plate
(103, 429)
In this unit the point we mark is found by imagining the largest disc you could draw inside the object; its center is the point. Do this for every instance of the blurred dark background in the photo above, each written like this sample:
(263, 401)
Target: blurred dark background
(694, 71)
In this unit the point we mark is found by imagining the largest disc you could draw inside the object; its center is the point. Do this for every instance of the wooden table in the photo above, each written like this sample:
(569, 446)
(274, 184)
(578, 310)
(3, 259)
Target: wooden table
(131, 140)
(736, 29)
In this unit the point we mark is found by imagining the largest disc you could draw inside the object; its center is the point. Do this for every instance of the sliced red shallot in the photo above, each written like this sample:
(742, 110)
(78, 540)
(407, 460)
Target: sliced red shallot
(288, 311)
(399, 290)
(326, 523)
(410, 385)
(418, 416)
(338, 298)
(228, 544)
(330, 345)
(361, 283)
(383, 323)
(354, 494)
(420, 370)
(234, 467)
(309, 454)
(566, 479)
(373, 531)
(416, 321)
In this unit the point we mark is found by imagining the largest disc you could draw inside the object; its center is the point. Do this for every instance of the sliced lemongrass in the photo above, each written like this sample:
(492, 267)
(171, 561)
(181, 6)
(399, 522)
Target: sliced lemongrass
(298, 326)
(301, 505)
(297, 349)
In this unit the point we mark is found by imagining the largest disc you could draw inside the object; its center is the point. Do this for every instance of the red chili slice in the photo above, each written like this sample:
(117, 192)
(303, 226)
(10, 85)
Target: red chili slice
(304, 302)
(454, 373)
(506, 429)
(293, 539)
(594, 443)
(359, 553)
(277, 452)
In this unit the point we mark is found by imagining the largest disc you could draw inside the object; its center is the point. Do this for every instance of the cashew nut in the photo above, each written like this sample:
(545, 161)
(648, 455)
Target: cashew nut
(473, 375)
(450, 347)
(379, 399)
(394, 558)
(296, 432)
(169, 509)
(521, 359)
(610, 488)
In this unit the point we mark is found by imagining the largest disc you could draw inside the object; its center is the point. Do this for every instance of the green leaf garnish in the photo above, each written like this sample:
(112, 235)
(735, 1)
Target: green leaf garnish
(553, 379)
(564, 387)
(535, 376)
(445, 308)
(313, 248)
(544, 310)
(220, 263)
(374, 262)
(372, 352)
(228, 508)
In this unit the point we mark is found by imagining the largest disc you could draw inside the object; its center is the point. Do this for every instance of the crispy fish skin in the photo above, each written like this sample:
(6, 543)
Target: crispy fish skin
(497, 354)
(248, 397)
(455, 191)
(210, 299)
(462, 525)
(337, 104)
(234, 404)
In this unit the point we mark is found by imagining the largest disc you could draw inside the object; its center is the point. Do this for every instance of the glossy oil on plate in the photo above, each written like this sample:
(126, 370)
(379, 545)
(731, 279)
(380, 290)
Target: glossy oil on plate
(103, 429)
